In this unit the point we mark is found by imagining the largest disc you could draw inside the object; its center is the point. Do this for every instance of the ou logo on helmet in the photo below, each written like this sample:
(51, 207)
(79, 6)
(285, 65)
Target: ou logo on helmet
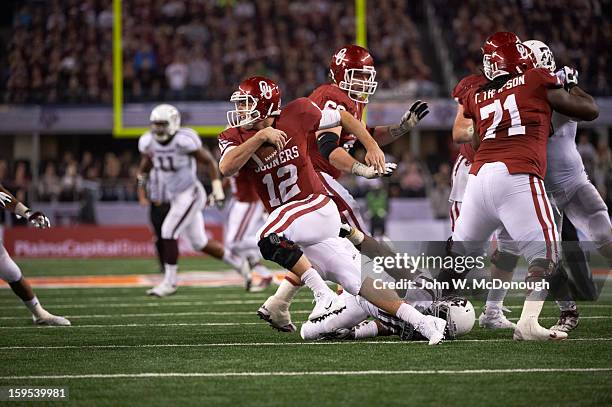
(522, 50)
(340, 56)
(266, 89)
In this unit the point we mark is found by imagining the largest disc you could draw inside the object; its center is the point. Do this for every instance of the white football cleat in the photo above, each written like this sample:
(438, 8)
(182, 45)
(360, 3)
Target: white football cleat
(276, 313)
(162, 290)
(495, 320)
(51, 320)
(326, 304)
(528, 329)
(568, 321)
(432, 328)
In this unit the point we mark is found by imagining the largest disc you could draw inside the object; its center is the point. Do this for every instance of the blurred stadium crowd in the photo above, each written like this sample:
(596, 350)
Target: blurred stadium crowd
(60, 52)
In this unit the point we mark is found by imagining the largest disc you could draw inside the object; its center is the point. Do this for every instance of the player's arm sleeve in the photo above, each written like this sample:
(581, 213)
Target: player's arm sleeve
(227, 142)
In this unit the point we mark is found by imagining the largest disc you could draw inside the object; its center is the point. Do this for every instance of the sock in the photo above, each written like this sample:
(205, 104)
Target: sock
(409, 314)
(35, 308)
(566, 305)
(287, 290)
(532, 309)
(170, 271)
(495, 300)
(367, 329)
(313, 280)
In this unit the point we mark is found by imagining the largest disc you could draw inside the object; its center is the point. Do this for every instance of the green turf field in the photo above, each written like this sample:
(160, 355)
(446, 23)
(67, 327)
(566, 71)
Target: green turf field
(205, 347)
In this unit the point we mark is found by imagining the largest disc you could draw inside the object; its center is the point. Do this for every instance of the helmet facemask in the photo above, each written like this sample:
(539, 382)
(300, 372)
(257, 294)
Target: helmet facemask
(359, 83)
(161, 131)
(486, 66)
(245, 110)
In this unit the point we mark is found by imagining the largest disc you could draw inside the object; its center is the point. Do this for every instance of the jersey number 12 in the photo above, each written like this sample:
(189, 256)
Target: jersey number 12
(287, 188)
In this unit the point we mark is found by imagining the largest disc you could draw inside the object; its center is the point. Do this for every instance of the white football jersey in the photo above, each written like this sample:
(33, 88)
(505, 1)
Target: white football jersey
(564, 169)
(176, 167)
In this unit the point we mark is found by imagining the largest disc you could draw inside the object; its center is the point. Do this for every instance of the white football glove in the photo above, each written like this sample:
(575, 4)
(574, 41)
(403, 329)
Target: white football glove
(417, 111)
(569, 77)
(217, 195)
(39, 219)
(370, 172)
(5, 199)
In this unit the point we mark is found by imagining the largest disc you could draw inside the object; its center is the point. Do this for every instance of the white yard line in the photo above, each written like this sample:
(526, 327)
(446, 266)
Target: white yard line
(271, 344)
(159, 303)
(222, 313)
(137, 325)
(319, 373)
(142, 298)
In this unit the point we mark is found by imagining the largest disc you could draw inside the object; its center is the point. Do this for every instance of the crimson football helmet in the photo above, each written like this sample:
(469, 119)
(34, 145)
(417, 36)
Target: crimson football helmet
(511, 59)
(491, 44)
(352, 69)
(256, 98)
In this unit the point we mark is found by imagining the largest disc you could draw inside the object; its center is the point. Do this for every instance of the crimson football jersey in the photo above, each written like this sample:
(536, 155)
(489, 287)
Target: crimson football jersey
(462, 88)
(330, 96)
(290, 175)
(242, 188)
(513, 123)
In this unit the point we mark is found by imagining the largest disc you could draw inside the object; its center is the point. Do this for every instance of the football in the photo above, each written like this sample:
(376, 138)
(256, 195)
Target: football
(263, 155)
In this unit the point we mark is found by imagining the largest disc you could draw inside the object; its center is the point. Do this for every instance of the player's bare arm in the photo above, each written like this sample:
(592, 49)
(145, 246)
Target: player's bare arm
(388, 134)
(576, 103)
(236, 157)
(374, 155)
(463, 128)
(144, 167)
(204, 157)
(9, 202)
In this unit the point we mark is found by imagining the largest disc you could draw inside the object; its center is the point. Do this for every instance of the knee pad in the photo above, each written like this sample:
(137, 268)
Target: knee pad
(504, 261)
(280, 250)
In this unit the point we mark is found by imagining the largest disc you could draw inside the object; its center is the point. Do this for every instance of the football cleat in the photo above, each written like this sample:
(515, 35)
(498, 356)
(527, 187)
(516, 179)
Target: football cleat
(568, 321)
(325, 305)
(51, 320)
(432, 328)
(276, 313)
(162, 290)
(245, 272)
(528, 329)
(495, 320)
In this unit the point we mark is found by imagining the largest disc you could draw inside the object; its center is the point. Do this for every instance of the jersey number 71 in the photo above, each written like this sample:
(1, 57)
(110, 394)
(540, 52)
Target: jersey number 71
(498, 114)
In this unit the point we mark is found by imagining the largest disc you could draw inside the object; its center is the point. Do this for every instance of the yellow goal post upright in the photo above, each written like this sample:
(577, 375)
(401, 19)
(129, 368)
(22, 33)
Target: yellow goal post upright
(119, 130)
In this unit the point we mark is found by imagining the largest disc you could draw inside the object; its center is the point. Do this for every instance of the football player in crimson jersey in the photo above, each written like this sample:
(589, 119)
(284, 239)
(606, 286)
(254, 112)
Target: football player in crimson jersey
(502, 264)
(511, 115)
(353, 81)
(301, 232)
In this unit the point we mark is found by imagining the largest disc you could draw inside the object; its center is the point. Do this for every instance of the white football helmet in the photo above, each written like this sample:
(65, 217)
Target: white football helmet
(543, 55)
(165, 122)
(458, 313)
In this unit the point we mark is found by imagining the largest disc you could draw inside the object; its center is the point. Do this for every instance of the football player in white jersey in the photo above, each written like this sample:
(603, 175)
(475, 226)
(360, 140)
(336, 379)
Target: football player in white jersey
(174, 151)
(567, 181)
(10, 272)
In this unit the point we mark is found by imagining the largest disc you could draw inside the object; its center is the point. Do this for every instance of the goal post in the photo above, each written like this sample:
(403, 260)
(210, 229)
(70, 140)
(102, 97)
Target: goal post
(120, 130)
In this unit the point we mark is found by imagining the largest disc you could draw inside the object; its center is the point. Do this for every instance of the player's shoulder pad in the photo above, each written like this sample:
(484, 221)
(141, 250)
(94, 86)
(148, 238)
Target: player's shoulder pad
(188, 138)
(467, 83)
(144, 142)
(328, 92)
(545, 77)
